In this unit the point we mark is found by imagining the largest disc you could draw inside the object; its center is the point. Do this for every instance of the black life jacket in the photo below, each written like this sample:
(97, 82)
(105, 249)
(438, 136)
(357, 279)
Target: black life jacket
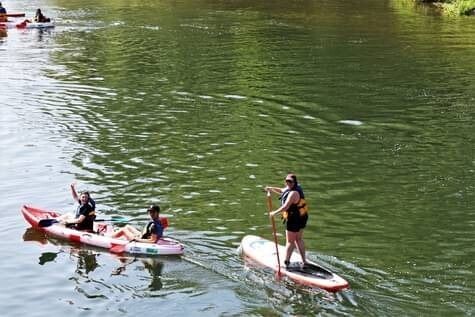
(299, 209)
(154, 226)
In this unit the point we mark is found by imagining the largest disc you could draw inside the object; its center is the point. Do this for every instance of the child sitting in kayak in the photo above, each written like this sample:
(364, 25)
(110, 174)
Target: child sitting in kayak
(85, 214)
(151, 233)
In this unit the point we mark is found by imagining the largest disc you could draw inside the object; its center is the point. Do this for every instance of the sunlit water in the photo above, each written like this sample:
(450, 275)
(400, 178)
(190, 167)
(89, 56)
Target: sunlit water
(198, 106)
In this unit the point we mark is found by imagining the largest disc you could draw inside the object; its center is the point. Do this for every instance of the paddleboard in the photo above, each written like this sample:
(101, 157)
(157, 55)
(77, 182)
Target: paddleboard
(263, 252)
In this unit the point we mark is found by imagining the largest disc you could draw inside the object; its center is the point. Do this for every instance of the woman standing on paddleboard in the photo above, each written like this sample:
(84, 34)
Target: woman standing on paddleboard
(294, 212)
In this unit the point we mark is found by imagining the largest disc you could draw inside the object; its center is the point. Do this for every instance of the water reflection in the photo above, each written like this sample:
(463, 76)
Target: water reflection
(86, 260)
(47, 257)
(40, 33)
(35, 235)
(153, 266)
(380, 127)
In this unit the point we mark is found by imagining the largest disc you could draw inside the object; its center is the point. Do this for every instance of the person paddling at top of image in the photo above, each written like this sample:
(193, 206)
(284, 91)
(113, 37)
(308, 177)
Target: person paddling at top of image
(85, 213)
(151, 233)
(295, 214)
(40, 18)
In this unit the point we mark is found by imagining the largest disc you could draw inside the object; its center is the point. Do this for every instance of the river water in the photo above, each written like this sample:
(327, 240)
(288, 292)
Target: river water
(197, 105)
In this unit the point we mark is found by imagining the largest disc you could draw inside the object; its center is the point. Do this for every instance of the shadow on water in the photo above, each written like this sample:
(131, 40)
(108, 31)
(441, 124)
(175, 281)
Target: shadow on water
(88, 260)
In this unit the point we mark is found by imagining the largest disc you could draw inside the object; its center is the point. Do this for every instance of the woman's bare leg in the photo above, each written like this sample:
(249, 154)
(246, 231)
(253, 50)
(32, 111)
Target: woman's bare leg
(128, 231)
(290, 246)
(301, 245)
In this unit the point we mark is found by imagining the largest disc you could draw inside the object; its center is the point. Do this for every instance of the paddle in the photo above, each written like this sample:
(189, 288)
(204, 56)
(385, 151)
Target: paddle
(120, 248)
(269, 207)
(15, 15)
(48, 222)
(120, 219)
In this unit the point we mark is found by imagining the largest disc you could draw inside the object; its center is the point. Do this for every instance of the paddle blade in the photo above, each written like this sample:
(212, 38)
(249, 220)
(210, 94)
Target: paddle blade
(117, 248)
(118, 219)
(46, 222)
(21, 25)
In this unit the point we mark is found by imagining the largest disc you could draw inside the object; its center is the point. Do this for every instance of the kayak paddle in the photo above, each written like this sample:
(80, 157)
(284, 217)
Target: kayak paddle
(15, 15)
(119, 248)
(48, 222)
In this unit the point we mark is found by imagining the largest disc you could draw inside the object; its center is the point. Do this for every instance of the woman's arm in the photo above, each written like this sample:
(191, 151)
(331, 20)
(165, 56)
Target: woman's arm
(76, 221)
(74, 193)
(272, 189)
(153, 238)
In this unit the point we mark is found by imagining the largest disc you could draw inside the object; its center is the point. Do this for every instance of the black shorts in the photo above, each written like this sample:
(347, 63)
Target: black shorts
(296, 223)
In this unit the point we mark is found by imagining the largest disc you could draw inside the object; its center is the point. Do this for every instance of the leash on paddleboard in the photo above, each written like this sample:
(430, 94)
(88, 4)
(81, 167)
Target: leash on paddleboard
(269, 207)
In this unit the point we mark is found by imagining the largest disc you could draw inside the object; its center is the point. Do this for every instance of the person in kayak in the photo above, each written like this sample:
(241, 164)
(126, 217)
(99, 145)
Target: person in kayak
(3, 14)
(85, 213)
(40, 18)
(151, 233)
(295, 214)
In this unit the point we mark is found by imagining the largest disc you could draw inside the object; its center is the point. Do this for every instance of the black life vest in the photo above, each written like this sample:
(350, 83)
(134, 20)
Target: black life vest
(155, 227)
(300, 209)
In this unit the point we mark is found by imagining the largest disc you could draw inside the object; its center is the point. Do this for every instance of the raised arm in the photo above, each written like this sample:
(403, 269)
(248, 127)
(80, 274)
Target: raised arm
(74, 192)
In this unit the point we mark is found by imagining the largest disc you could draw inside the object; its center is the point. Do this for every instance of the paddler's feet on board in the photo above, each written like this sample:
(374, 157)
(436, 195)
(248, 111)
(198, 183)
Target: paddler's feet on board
(296, 265)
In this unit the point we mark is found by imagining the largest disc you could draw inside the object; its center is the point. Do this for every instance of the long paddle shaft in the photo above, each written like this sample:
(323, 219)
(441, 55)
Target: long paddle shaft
(48, 222)
(269, 207)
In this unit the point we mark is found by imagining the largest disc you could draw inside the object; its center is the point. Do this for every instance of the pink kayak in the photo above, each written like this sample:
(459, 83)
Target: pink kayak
(35, 25)
(36, 216)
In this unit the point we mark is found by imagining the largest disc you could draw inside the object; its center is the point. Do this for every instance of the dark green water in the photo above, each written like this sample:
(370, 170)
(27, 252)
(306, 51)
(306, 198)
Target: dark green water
(198, 106)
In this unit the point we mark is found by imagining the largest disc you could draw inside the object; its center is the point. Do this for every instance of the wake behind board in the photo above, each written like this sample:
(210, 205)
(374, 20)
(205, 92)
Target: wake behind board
(263, 252)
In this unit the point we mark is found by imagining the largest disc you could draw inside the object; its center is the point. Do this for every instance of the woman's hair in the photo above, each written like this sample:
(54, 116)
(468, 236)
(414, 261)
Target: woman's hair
(85, 193)
(293, 176)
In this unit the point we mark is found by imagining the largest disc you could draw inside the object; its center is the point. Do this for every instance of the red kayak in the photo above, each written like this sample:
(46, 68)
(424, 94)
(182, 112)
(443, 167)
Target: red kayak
(44, 220)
